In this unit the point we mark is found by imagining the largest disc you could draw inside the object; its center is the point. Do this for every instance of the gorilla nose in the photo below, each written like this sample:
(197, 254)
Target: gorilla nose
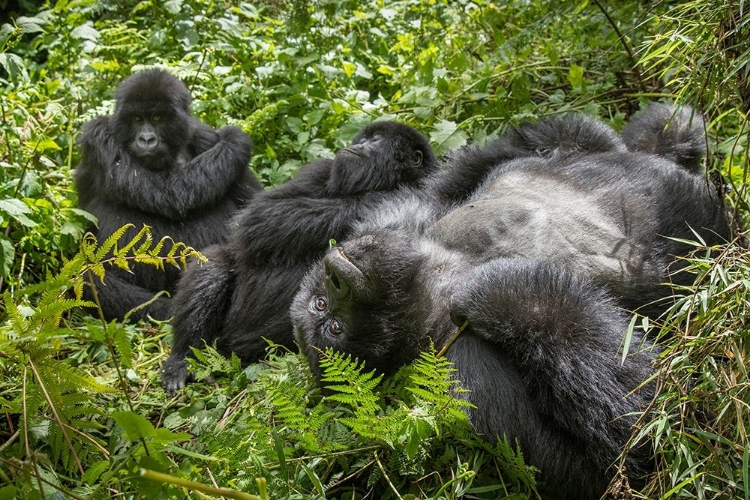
(147, 140)
(336, 284)
(342, 276)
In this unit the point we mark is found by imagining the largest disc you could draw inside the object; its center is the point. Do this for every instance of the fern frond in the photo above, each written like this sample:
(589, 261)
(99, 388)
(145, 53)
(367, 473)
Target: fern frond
(53, 308)
(108, 244)
(17, 321)
(352, 387)
(144, 233)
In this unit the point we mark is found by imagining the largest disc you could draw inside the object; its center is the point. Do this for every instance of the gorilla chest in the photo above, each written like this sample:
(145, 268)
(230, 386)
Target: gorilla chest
(530, 216)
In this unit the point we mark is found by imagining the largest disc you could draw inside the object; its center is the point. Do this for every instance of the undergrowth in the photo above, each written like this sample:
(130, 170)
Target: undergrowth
(82, 413)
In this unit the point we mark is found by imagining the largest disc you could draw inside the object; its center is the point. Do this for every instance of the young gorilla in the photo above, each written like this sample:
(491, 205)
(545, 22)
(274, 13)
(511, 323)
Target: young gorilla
(153, 163)
(537, 262)
(242, 295)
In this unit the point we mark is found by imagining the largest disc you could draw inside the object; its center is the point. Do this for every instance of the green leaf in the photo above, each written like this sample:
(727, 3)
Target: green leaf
(135, 426)
(165, 436)
(30, 24)
(448, 136)
(85, 32)
(7, 254)
(18, 210)
(45, 144)
(14, 66)
(173, 6)
(8, 493)
(575, 77)
(5, 31)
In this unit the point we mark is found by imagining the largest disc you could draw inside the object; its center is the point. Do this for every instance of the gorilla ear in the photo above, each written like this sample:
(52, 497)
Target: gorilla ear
(183, 101)
(416, 159)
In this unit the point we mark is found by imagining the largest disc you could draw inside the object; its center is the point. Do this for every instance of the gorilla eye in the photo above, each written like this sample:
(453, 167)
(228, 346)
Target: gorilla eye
(320, 304)
(335, 327)
(138, 119)
(156, 118)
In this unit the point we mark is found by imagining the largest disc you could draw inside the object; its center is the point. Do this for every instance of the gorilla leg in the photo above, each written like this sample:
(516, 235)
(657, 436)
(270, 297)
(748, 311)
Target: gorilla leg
(260, 310)
(199, 312)
(547, 371)
(668, 131)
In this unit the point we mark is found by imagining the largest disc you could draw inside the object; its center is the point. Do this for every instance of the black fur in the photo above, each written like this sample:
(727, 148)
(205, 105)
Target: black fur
(153, 163)
(539, 259)
(243, 295)
(674, 133)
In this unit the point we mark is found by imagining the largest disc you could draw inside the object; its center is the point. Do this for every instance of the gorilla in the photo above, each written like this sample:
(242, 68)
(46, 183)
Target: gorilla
(153, 163)
(525, 280)
(242, 296)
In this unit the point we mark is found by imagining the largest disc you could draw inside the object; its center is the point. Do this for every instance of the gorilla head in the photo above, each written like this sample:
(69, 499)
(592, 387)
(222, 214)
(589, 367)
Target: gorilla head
(361, 300)
(151, 119)
(381, 157)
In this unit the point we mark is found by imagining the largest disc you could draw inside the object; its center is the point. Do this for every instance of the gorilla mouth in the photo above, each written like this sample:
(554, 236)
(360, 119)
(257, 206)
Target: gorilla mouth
(352, 152)
(341, 276)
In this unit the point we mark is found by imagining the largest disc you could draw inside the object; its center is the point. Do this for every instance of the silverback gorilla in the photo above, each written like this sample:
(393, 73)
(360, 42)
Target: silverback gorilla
(566, 225)
(242, 295)
(154, 163)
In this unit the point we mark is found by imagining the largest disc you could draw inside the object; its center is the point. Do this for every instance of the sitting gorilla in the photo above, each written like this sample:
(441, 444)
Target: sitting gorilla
(153, 163)
(242, 296)
(565, 227)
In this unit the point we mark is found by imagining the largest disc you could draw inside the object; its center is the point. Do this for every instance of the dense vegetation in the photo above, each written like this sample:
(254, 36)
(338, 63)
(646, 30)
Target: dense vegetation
(81, 410)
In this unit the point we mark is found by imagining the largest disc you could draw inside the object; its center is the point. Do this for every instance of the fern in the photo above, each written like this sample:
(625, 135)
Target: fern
(55, 401)
(343, 376)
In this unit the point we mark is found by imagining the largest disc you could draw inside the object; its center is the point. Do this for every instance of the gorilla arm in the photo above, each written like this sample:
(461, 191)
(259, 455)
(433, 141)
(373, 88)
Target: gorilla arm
(171, 193)
(199, 311)
(562, 333)
(301, 227)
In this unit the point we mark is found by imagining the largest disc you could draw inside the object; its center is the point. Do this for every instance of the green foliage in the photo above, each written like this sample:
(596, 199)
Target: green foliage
(701, 417)
(81, 411)
(55, 407)
(358, 435)
(701, 53)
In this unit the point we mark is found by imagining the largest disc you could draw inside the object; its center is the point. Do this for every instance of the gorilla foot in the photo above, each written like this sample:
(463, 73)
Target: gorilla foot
(175, 375)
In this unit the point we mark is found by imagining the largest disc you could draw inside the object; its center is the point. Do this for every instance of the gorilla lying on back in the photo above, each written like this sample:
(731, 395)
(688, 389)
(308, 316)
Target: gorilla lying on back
(153, 163)
(242, 295)
(567, 227)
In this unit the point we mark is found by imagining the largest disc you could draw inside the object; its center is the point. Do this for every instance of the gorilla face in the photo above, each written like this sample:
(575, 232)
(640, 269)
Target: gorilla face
(359, 300)
(151, 120)
(383, 156)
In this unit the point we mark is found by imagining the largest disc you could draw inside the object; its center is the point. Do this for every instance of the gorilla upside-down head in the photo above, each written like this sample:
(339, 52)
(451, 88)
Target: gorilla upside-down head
(539, 261)
(242, 296)
(153, 163)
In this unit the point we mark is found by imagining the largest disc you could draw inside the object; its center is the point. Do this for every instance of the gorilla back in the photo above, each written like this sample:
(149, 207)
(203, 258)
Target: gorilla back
(153, 163)
(559, 233)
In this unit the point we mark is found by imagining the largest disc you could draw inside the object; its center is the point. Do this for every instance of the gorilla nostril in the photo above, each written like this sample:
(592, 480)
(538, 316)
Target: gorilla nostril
(147, 140)
(336, 285)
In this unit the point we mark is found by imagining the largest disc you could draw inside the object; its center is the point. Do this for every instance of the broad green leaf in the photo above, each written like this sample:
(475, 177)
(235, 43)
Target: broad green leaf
(173, 6)
(85, 32)
(134, 425)
(18, 210)
(7, 254)
(448, 136)
(14, 65)
(6, 30)
(575, 77)
(45, 144)
(30, 24)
